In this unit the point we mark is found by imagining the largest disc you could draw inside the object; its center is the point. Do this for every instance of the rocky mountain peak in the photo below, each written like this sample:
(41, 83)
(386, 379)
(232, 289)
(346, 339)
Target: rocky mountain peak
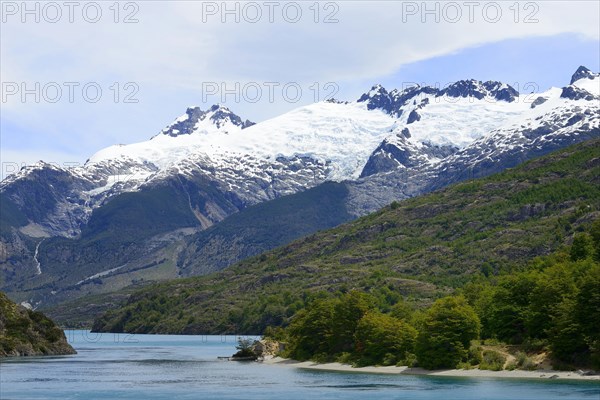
(582, 73)
(218, 115)
(479, 90)
(393, 102)
(377, 98)
(221, 115)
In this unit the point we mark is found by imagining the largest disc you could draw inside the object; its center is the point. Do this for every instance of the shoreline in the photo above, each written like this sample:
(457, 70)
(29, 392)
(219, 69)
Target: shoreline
(465, 373)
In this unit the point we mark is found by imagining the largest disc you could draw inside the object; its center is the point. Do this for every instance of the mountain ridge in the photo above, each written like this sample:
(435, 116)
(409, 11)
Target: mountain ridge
(421, 248)
(377, 156)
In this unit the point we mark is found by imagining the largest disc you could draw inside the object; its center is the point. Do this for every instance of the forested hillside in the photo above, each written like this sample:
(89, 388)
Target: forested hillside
(418, 250)
(551, 307)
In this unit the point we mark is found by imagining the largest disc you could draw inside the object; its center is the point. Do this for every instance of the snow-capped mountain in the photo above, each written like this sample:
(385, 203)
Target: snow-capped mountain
(341, 138)
(380, 132)
(530, 126)
(208, 164)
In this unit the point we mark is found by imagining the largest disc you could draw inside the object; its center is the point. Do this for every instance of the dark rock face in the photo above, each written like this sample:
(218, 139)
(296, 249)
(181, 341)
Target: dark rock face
(402, 155)
(479, 90)
(335, 101)
(438, 151)
(413, 117)
(51, 194)
(538, 101)
(395, 101)
(378, 98)
(531, 210)
(386, 157)
(500, 91)
(220, 115)
(464, 89)
(574, 119)
(575, 93)
(186, 127)
(412, 94)
(262, 227)
(581, 73)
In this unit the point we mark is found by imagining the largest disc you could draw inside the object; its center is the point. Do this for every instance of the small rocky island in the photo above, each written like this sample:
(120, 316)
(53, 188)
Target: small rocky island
(25, 332)
(253, 350)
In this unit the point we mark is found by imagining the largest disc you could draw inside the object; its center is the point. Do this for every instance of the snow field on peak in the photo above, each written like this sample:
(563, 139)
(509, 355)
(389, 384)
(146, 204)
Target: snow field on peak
(457, 122)
(343, 134)
(591, 85)
(339, 138)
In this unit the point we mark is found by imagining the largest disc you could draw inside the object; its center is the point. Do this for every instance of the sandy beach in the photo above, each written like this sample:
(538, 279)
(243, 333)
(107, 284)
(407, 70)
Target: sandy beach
(471, 373)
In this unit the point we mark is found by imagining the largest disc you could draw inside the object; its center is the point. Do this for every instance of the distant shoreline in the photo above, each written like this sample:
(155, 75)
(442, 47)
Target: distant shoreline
(470, 373)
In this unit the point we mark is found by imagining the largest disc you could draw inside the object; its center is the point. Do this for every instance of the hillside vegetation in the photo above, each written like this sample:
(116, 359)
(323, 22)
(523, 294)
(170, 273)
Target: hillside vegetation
(418, 250)
(263, 227)
(29, 333)
(125, 258)
(246, 233)
(551, 307)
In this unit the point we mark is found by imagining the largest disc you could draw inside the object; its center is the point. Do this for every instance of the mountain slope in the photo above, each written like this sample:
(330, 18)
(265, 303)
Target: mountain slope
(414, 129)
(57, 237)
(420, 248)
(263, 227)
(244, 234)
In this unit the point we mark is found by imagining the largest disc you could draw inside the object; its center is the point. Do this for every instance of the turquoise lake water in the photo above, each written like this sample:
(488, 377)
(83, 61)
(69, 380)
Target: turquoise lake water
(111, 366)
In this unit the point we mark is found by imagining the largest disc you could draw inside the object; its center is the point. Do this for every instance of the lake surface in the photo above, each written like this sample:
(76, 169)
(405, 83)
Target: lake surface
(111, 366)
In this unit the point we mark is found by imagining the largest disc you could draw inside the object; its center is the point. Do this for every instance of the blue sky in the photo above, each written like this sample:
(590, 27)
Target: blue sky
(175, 49)
(545, 61)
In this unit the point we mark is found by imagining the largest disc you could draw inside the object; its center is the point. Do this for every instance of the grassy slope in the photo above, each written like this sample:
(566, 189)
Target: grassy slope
(263, 227)
(422, 247)
(80, 313)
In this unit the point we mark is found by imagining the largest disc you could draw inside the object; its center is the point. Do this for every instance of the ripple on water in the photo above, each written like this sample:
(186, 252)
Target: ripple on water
(171, 368)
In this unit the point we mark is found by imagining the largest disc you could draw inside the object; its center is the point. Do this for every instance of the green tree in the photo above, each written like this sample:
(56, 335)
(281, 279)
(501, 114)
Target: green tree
(587, 312)
(582, 247)
(351, 307)
(401, 310)
(383, 339)
(446, 332)
(507, 312)
(480, 296)
(566, 340)
(244, 348)
(553, 285)
(311, 330)
(595, 235)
